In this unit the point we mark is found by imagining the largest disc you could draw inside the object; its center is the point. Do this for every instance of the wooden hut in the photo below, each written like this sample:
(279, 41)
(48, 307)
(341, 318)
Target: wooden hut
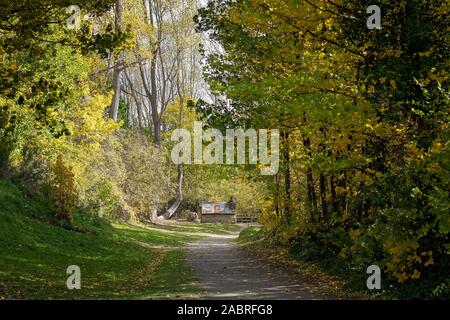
(219, 212)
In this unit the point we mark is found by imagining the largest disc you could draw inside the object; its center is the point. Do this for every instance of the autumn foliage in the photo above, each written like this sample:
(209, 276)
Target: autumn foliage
(364, 120)
(63, 194)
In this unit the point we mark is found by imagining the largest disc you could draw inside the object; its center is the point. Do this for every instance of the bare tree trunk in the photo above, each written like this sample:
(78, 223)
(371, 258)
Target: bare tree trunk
(116, 98)
(154, 103)
(138, 103)
(174, 207)
(114, 110)
(151, 90)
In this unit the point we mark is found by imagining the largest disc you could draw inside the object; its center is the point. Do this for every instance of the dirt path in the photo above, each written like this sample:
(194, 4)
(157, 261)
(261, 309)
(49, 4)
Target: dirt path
(228, 271)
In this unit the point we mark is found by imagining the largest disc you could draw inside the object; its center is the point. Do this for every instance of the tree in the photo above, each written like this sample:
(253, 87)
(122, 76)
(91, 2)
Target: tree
(359, 111)
(117, 66)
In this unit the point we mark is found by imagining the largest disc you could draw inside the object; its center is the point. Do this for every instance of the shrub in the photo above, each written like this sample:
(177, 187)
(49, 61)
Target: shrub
(63, 193)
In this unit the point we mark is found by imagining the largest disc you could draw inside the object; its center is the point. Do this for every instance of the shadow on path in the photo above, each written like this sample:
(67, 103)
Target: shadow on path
(228, 271)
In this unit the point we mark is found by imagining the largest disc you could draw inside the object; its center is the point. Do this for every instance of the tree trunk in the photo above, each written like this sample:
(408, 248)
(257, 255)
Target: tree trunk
(312, 199)
(173, 208)
(138, 104)
(116, 98)
(323, 196)
(151, 89)
(154, 104)
(287, 177)
(114, 110)
(334, 207)
(277, 194)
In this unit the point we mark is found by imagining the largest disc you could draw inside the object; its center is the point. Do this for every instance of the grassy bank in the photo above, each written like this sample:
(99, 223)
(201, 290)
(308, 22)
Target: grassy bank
(117, 261)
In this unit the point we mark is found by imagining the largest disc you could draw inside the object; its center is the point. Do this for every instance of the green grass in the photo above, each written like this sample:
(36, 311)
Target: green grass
(117, 261)
(249, 235)
(205, 228)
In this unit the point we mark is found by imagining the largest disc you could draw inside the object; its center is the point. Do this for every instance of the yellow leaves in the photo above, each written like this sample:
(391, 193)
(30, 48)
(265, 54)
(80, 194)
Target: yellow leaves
(415, 192)
(343, 253)
(413, 258)
(342, 143)
(355, 90)
(367, 181)
(430, 260)
(400, 130)
(437, 147)
(51, 113)
(401, 276)
(416, 275)
(392, 248)
(404, 262)
(426, 53)
(340, 190)
(355, 233)
(329, 23)
(379, 175)
(414, 151)
(434, 75)
(392, 53)
(90, 120)
(393, 84)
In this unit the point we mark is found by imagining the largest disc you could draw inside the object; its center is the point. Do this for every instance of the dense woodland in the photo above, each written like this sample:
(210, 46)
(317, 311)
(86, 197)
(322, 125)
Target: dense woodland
(86, 117)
